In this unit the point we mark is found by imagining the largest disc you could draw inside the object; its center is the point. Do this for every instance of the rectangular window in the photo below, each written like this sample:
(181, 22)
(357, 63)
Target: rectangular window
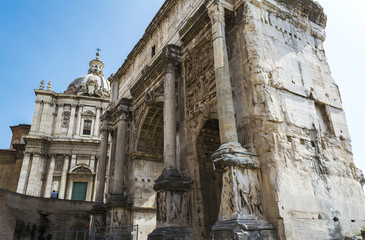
(153, 52)
(87, 127)
(79, 190)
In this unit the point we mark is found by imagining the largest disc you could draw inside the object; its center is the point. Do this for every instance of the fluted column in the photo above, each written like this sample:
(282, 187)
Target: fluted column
(23, 174)
(118, 202)
(49, 180)
(118, 183)
(227, 122)
(169, 116)
(172, 187)
(239, 215)
(62, 192)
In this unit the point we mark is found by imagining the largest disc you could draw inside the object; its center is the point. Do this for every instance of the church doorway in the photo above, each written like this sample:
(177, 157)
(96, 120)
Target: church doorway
(211, 181)
(79, 190)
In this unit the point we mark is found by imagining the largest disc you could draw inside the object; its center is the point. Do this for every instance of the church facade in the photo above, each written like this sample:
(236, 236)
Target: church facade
(61, 151)
(225, 122)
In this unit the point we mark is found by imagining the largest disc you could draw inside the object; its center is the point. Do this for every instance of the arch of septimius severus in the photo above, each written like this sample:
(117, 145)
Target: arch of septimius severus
(225, 122)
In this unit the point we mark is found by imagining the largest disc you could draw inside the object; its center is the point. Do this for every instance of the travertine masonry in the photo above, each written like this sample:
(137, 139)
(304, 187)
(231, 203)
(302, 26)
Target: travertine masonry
(262, 146)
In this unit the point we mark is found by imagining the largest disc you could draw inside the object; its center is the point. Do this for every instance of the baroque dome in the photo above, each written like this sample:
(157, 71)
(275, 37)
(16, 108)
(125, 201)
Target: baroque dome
(92, 84)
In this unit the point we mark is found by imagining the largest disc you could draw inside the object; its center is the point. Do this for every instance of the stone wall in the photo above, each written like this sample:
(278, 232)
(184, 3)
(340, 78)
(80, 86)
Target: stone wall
(162, 30)
(289, 112)
(24, 216)
(9, 168)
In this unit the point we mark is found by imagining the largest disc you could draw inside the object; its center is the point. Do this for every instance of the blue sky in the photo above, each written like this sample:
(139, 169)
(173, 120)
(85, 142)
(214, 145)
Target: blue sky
(55, 40)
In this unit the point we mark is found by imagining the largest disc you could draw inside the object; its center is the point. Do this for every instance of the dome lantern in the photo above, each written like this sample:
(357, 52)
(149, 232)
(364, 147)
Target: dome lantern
(93, 84)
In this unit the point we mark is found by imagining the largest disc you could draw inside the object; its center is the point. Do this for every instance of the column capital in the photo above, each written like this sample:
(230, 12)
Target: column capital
(216, 12)
(112, 78)
(171, 58)
(37, 153)
(105, 127)
(26, 153)
(123, 109)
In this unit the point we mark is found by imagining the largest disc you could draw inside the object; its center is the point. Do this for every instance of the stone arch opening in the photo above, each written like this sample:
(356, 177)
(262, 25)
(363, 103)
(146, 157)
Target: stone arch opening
(151, 134)
(211, 181)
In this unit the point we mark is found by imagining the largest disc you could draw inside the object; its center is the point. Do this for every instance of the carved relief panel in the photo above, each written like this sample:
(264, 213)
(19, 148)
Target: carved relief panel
(199, 77)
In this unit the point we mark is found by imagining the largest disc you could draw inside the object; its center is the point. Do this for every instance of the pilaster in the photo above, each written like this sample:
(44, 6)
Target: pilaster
(73, 161)
(48, 188)
(24, 174)
(34, 175)
(58, 119)
(46, 118)
(114, 88)
(36, 116)
(71, 125)
(97, 122)
(78, 123)
(93, 161)
(66, 162)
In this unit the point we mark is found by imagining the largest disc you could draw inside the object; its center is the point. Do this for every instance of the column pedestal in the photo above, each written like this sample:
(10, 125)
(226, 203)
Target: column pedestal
(172, 206)
(243, 229)
(119, 204)
(98, 209)
(240, 212)
(98, 220)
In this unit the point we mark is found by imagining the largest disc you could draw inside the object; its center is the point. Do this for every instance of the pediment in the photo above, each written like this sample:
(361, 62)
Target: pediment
(88, 113)
(82, 169)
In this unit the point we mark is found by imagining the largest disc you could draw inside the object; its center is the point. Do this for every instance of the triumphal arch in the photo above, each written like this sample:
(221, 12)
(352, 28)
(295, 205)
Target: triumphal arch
(225, 123)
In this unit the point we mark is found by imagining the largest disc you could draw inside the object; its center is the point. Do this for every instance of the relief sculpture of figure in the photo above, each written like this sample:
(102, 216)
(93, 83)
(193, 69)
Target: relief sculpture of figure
(254, 196)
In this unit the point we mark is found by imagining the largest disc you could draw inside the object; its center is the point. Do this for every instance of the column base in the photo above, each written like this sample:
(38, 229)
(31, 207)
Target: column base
(98, 208)
(232, 154)
(171, 179)
(167, 233)
(243, 229)
(98, 220)
(119, 200)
